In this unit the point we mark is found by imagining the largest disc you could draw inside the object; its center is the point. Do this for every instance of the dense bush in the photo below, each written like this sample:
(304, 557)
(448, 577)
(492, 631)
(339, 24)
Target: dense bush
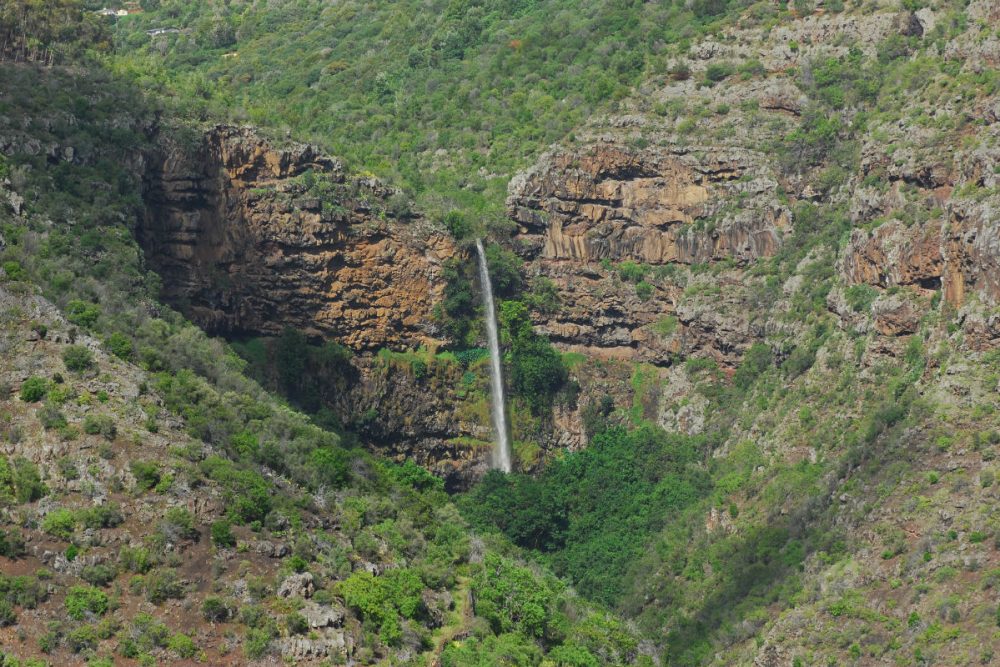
(536, 370)
(20, 481)
(222, 534)
(59, 523)
(103, 425)
(511, 599)
(593, 510)
(11, 544)
(34, 389)
(215, 610)
(147, 474)
(84, 601)
(78, 358)
(382, 600)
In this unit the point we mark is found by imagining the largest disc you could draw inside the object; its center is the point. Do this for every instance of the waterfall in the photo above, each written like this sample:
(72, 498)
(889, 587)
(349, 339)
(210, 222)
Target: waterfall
(501, 446)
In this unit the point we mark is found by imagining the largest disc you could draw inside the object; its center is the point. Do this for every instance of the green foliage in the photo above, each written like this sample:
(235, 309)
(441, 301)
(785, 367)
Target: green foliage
(78, 358)
(178, 524)
(505, 271)
(460, 97)
(99, 574)
(11, 544)
(120, 345)
(215, 610)
(593, 510)
(13, 270)
(511, 598)
(257, 643)
(103, 425)
(409, 474)
(860, 297)
(643, 290)
(147, 474)
(100, 516)
(34, 389)
(247, 494)
(23, 591)
(458, 309)
(82, 313)
(572, 655)
(536, 371)
(330, 467)
(85, 601)
(183, 646)
(162, 585)
(458, 224)
(7, 615)
(20, 481)
(756, 360)
(382, 600)
(142, 635)
(717, 71)
(222, 534)
(59, 523)
(513, 649)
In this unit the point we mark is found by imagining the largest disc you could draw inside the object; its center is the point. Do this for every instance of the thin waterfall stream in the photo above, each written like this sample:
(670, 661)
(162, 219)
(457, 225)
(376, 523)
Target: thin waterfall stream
(501, 446)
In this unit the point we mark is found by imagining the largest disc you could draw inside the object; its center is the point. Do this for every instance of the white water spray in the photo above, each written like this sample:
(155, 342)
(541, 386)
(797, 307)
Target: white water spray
(501, 446)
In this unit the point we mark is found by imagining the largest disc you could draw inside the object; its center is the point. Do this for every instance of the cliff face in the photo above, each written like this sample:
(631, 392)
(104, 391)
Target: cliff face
(250, 238)
(584, 212)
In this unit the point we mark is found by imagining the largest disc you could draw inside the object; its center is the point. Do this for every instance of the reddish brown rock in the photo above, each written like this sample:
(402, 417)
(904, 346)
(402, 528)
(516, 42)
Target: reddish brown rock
(251, 238)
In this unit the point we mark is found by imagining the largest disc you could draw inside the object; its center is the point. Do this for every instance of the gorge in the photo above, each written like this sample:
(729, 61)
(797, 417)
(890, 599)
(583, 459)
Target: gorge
(549, 334)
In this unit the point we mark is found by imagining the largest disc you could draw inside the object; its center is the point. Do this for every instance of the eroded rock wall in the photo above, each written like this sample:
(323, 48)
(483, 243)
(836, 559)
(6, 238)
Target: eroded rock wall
(250, 238)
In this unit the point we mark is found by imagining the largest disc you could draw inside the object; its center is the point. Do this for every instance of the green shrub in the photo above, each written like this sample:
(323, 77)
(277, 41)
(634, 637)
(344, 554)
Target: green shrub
(147, 474)
(78, 358)
(143, 635)
(178, 524)
(183, 646)
(83, 638)
(101, 516)
(7, 614)
(382, 600)
(52, 417)
(82, 314)
(99, 574)
(135, 559)
(296, 624)
(716, 72)
(511, 598)
(20, 481)
(100, 425)
(643, 290)
(84, 601)
(11, 544)
(215, 610)
(257, 643)
(860, 297)
(120, 345)
(59, 523)
(163, 585)
(756, 360)
(330, 467)
(34, 389)
(222, 534)
(23, 591)
(14, 271)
